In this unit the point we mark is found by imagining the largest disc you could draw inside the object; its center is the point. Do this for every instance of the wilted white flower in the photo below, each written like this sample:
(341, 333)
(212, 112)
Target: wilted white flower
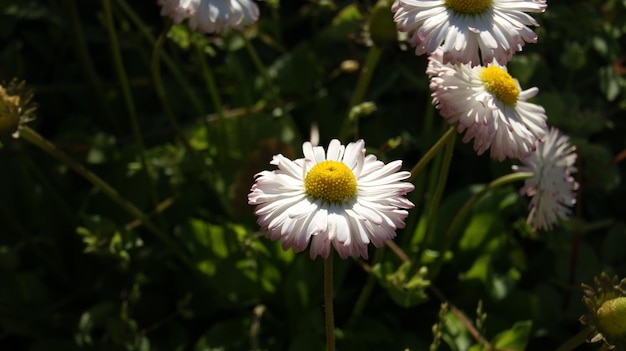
(489, 104)
(498, 28)
(211, 16)
(339, 197)
(552, 188)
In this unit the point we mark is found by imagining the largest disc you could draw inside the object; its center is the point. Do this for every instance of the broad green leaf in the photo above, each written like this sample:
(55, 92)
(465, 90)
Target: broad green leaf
(515, 338)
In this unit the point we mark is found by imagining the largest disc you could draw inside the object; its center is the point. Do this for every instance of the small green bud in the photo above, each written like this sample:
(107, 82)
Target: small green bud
(9, 112)
(16, 108)
(612, 317)
(606, 311)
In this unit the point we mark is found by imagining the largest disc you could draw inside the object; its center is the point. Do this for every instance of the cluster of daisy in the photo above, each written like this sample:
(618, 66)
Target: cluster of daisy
(469, 43)
(344, 199)
(211, 16)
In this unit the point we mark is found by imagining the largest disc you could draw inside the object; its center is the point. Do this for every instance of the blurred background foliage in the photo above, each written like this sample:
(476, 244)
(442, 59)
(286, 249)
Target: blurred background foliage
(77, 272)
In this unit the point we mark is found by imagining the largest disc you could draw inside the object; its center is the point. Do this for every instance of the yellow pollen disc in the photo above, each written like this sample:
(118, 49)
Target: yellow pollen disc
(468, 7)
(330, 181)
(500, 84)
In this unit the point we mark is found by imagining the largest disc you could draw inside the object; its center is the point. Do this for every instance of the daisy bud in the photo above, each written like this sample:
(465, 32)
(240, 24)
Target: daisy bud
(606, 311)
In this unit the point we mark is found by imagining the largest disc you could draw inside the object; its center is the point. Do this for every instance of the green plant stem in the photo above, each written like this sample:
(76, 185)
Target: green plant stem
(464, 211)
(366, 292)
(371, 61)
(35, 138)
(268, 81)
(80, 45)
(440, 185)
(171, 65)
(496, 183)
(125, 88)
(157, 55)
(209, 78)
(432, 152)
(328, 303)
(575, 340)
(260, 67)
(160, 90)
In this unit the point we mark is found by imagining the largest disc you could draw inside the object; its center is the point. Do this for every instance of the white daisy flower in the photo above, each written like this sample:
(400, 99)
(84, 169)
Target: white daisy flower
(498, 28)
(211, 16)
(552, 188)
(340, 197)
(489, 104)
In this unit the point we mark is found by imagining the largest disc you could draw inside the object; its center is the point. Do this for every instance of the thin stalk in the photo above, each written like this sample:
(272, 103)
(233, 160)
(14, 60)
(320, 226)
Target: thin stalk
(125, 88)
(157, 55)
(171, 65)
(371, 61)
(209, 78)
(419, 179)
(440, 185)
(80, 45)
(575, 340)
(261, 68)
(36, 139)
(268, 81)
(366, 292)
(328, 303)
(214, 94)
(507, 179)
(450, 134)
(464, 211)
(160, 90)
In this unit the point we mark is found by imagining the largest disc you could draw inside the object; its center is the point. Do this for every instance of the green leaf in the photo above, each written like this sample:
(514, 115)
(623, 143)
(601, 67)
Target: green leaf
(610, 82)
(515, 338)
(405, 287)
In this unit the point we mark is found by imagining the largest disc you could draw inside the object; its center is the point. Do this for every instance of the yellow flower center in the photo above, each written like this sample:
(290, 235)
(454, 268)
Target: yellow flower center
(500, 84)
(468, 7)
(612, 317)
(330, 181)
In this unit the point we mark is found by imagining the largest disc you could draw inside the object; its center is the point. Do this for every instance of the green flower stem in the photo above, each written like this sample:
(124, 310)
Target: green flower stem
(268, 81)
(575, 340)
(366, 291)
(373, 56)
(243, 90)
(171, 65)
(259, 66)
(432, 152)
(160, 90)
(464, 211)
(157, 55)
(80, 45)
(438, 180)
(328, 303)
(209, 78)
(125, 88)
(507, 179)
(440, 186)
(35, 138)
